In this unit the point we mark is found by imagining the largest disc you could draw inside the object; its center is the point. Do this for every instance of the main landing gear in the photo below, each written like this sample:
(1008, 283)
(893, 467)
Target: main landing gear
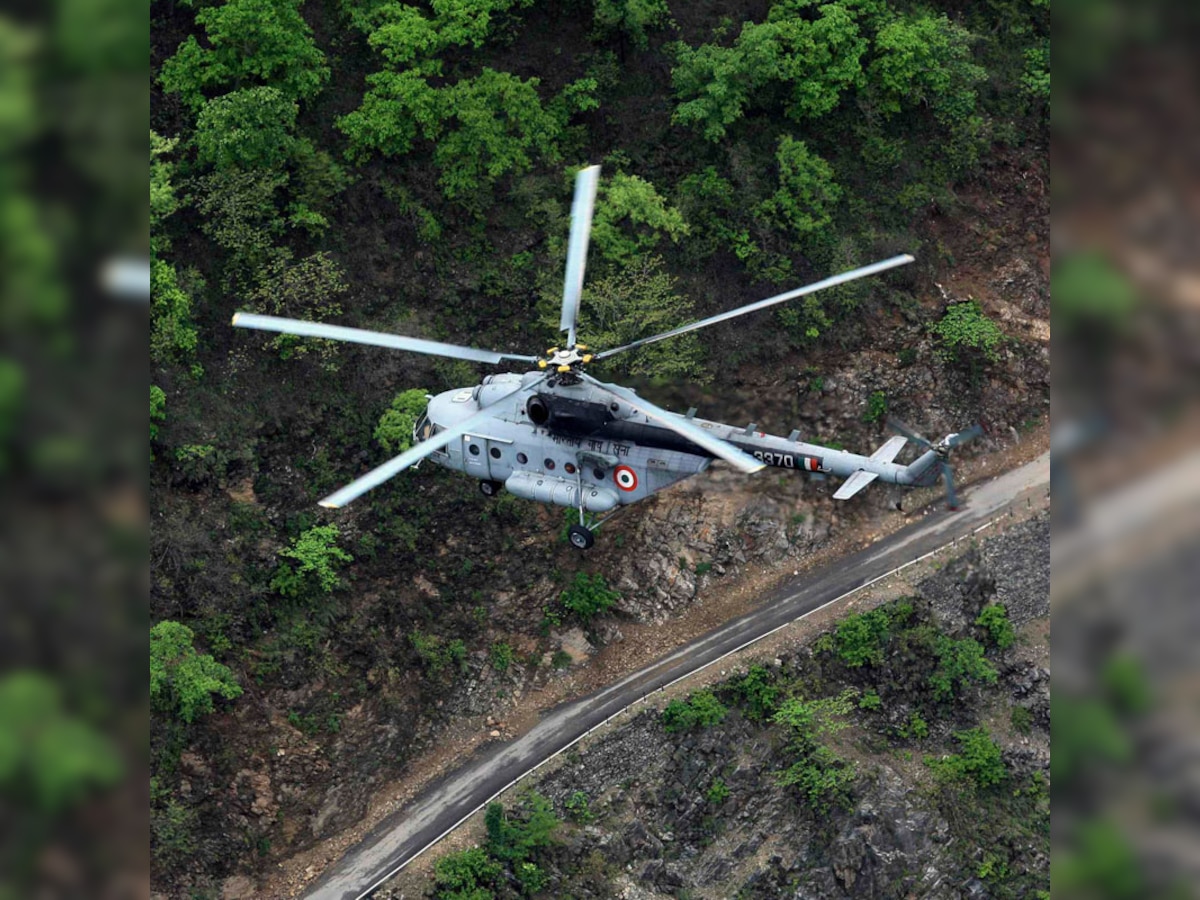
(490, 488)
(581, 537)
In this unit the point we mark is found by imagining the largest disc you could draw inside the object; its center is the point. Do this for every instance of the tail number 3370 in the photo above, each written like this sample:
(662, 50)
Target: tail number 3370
(782, 460)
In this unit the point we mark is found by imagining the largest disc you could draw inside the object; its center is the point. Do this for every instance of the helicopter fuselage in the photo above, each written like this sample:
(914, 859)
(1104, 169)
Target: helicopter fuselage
(555, 440)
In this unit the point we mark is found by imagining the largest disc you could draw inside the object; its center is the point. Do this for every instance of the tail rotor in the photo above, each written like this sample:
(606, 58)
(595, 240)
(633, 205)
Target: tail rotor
(941, 450)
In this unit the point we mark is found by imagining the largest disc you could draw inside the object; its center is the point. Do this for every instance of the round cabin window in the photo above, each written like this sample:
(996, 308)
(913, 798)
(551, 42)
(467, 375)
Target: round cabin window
(599, 473)
(522, 458)
(570, 468)
(549, 464)
(495, 452)
(473, 449)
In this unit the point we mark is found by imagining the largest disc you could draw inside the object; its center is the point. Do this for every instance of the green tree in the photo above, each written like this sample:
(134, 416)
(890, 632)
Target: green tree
(318, 555)
(757, 694)
(248, 128)
(631, 218)
(240, 212)
(183, 681)
(395, 429)
(589, 596)
(993, 618)
(163, 201)
(173, 334)
(636, 301)
(264, 41)
(632, 18)
(807, 192)
(967, 336)
(309, 290)
(49, 758)
(700, 710)
(514, 837)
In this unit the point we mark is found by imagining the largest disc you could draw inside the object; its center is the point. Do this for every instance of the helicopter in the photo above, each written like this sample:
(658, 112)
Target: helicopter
(557, 435)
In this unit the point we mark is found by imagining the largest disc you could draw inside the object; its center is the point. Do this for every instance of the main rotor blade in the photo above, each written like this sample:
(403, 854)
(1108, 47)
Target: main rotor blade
(375, 338)
(742, 461)
(873, 269)
(581, 227)
(416, 453)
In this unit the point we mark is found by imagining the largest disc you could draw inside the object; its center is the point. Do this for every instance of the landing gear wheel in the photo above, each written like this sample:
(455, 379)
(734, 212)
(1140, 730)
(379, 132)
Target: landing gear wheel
(490, 488)
(581, 538)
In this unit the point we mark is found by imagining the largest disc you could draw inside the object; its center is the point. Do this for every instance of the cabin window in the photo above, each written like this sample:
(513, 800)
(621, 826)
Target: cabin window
(599, 473)
(495, 452)
(522, 458)
(570, 467)
(473, 449)
(549, 464)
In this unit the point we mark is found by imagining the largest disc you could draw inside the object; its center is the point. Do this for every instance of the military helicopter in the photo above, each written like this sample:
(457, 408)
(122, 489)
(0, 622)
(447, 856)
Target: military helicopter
(557, 435)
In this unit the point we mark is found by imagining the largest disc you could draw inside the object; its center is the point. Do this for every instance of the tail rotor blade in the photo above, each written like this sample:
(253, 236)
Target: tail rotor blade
(900, 428)
(584, 203)
(963, 436)
(948, 478)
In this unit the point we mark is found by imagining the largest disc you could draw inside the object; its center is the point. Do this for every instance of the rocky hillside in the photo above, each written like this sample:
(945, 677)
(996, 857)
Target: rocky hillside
(904, 753)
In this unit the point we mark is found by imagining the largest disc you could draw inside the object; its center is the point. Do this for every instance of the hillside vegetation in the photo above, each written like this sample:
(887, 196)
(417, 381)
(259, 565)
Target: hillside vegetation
(409, 167)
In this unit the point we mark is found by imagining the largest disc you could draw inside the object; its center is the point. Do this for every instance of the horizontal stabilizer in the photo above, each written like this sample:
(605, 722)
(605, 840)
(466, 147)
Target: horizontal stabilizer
(854, 484)
(890, 450)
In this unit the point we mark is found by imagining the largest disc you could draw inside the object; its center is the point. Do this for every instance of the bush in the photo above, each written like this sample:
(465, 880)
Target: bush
(158, 411)
(860, 638)
(757, 694)
(700, 710)
(579, 807)
(632, 218)
(994, 619)
(182, 681)
(823, 778)
(980, 761)
(468, 873)
(395, 429)
(501, 656)
(438, 654)
(1022, 719)
(319, 556)
(870, 700)
(515, 836)
(589, 596)
(877, 407)
(960, 664)
(966, 335)
(717, 793)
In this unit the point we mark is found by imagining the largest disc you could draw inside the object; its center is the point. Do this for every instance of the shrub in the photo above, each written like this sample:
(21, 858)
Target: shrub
(861, 637)
(916, 727)
(632, 218)
(468, 873)
(717, 793)
(1022, 719)
(966, 335)
(979, 761)
(756, 692)
(395, 429)
(436, 653)
(589, 596)
(560, 660)
(182, 681)
(318, 556)
(994, 619)
(579, 807)
(870, 700)
(530, 826)
(158, 411)
(700, 710)
(877, 407)
(501, 656)
(960, 664)
(823, 779)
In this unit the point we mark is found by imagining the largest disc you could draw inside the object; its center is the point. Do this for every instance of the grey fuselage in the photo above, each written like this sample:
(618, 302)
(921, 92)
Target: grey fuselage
(557, 439)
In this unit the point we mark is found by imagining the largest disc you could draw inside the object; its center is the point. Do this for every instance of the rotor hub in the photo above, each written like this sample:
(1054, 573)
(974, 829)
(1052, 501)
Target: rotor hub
(565, 360)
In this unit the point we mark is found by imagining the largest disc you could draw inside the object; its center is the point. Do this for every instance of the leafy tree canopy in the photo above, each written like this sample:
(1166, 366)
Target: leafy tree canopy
(395, 428)
(250, 128)
(807, 191)
(183, 681)
(266, 41)
(631, 218)
(318, 555)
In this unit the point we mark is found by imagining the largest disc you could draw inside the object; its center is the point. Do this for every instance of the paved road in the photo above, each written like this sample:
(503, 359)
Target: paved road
(441, 806)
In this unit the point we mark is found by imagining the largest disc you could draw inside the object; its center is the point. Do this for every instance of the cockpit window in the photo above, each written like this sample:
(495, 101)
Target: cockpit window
(423, 429)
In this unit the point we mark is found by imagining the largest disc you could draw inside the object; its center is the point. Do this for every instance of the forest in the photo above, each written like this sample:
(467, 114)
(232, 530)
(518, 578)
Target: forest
(408, 167)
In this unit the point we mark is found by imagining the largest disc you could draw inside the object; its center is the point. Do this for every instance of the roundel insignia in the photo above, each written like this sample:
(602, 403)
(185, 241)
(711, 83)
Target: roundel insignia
(625, 478)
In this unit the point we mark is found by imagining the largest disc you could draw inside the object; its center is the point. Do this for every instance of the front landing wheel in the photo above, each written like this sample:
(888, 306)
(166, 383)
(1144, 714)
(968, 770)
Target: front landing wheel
(490, 488)
(581, 538)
